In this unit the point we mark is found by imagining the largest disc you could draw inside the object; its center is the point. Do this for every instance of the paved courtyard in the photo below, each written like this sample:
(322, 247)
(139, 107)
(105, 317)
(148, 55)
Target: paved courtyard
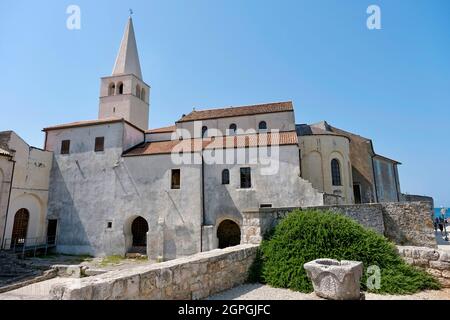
(264, 292)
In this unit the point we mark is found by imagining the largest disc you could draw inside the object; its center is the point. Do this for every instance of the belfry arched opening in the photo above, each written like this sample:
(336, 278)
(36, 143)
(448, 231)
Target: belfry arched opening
(228, 234)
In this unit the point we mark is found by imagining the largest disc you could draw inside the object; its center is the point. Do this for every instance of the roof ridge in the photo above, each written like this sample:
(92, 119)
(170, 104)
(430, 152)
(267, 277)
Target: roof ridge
(244, 106)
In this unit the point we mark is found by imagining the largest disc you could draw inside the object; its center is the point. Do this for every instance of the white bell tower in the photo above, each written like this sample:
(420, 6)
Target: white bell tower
(124, 94)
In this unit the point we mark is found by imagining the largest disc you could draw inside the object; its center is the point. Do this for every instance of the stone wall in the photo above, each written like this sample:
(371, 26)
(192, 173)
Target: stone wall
(409, 223)
(257, 222)
(415, 198)
(193, 277)
(405, 223)
(435, 262)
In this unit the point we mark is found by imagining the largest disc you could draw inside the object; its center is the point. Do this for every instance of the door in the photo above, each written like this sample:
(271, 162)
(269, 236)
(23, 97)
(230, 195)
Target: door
(51, 231)
(20, 227)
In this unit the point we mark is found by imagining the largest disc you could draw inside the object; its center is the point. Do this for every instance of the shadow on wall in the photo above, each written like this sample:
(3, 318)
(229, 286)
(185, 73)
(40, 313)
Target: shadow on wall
(72, 236)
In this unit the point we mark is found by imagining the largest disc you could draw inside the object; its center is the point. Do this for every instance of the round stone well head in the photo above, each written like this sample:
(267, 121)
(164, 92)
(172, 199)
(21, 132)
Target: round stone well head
(335, 280)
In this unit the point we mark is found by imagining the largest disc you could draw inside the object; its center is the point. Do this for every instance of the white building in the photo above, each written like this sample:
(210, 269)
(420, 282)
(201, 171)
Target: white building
(117, 187)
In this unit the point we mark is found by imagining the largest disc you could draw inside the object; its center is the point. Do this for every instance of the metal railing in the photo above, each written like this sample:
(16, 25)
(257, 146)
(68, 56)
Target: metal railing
(24, 245)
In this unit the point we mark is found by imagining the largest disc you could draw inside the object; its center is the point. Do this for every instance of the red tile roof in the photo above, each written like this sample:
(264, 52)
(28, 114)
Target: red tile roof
(88, 123)
(238, 111)
(227, 142)
(162, 130)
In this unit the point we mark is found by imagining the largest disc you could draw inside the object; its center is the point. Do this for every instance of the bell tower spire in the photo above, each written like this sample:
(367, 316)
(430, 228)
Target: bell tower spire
(127, 61)
(124, 94)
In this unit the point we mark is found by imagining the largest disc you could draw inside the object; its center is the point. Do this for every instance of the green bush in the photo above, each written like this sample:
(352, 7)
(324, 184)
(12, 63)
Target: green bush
(308, 235)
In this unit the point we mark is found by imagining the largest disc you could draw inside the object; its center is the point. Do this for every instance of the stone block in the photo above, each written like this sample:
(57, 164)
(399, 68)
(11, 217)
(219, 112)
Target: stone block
(335, 280)
(421, 262)
(444, 257)
(434, 272)
(440, 265)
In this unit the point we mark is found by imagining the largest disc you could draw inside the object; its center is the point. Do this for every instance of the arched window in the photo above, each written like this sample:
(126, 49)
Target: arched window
(262, 125)
(233, 129)
(111, 89)
(143, 94)
(120, 88)
(336, 173)
(226, 176)
(138, 91)
(204, 131)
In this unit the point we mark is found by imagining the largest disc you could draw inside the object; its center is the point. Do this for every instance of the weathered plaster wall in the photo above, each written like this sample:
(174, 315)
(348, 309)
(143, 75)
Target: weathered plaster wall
(174, 216)
(126, 105)
(317, 153)
(282, 121)
(82, 189)
(281, 188)
(90, 189)
(194, 277)
(30, 184)
(6, 168)
(386, 178)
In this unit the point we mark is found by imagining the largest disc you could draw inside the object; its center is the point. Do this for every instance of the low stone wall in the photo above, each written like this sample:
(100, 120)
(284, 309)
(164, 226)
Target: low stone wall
(435, 262)
(256, 223)
(332, 199)
(193, 277)
(368, 215)
(409, 223)
(405, 223)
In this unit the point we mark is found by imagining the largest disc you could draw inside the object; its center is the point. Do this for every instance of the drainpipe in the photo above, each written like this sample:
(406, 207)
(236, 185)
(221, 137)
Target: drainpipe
(9, 200)
(396, 181)
(203, 200)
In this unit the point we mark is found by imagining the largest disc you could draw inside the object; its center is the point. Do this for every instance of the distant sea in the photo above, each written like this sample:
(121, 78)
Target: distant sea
(437, 212)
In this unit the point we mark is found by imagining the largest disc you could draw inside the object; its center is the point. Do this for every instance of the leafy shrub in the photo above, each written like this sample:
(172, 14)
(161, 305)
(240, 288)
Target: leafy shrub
(308, 235)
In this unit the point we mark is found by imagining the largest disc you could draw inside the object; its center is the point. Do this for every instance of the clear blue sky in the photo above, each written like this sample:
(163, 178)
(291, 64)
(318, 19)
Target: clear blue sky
(392, 85)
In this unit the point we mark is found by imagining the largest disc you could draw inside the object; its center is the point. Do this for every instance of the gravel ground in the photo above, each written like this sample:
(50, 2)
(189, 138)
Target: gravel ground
(36, 291)
(263, 292)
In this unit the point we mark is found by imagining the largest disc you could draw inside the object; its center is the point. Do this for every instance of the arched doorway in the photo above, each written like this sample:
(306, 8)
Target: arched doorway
(139, 229)
(20, 227)
(229, 234)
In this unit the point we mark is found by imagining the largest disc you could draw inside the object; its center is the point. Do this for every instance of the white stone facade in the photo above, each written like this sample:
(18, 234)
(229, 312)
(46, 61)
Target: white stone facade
(115, 187)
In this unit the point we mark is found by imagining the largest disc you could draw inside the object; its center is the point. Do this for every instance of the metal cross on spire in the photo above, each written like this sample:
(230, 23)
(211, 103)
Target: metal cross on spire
(131, 12)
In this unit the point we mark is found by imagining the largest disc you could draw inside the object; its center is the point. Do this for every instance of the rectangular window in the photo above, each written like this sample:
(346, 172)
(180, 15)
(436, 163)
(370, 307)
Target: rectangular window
(65, 147)
(265, 205)
(99, 144)
(246, 181)
(175, 184)
(109, 225)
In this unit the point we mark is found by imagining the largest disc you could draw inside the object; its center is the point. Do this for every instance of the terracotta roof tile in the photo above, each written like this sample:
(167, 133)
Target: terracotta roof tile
(195, 145)
(162, 130)
(88, 123)
(238, 111)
